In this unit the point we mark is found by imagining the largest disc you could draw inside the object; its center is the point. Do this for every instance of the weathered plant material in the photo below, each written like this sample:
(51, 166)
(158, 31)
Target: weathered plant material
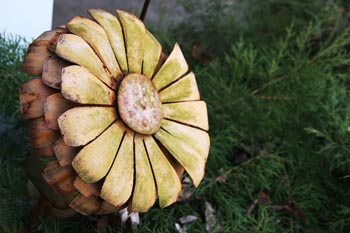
(120, 121)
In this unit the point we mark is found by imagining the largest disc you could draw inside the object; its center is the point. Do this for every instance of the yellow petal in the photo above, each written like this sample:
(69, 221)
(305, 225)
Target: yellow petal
(64, 153)
(184, 89)
(74, 49)
(134, 35)
(161, 61)
(192, 113)
(144, 194)
(173, 68)
(193, 137)
(32, 97)
(81, 86)
(118, 184)
(81, 125)
(176, 165)
(94, 34)
(94, 161)
(54, 106)
(52, 71)
(114, 32)
(190, 159)
(152, 52)
(167, 180)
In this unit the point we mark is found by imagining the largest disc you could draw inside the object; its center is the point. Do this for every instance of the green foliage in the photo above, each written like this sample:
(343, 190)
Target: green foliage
(277, 92)
(273, 97)
(14, 203)
(12, 50)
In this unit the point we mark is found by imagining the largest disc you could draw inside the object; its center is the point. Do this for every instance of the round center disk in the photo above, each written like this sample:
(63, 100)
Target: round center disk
(139, 104)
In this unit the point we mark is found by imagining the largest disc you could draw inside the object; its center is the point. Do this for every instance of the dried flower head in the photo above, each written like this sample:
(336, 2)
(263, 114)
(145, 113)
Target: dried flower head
(121, 120)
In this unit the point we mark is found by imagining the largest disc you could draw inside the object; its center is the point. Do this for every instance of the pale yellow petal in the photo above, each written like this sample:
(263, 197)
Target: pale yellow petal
(167, 180)
(190, 159)
(119, 182)
(94, 161)
(193, 137)
(144, 193)
(114, 32)
(173, 68)
(74, 49)
(81, 125)
(134, 35)
(184, 89)
(192, 113)
(81, 86)
(94, 34)
(152, 52)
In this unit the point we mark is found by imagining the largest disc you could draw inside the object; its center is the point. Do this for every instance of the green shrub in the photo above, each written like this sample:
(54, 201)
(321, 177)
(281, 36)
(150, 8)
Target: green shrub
(277, 90)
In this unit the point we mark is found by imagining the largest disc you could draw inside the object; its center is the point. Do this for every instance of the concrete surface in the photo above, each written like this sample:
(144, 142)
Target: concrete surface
(64, 10)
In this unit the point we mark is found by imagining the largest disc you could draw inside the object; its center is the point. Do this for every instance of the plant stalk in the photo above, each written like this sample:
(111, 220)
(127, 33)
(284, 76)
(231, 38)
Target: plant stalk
(144, 10)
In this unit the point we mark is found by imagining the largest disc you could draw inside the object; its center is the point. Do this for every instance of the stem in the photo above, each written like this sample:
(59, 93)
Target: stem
(144, 10)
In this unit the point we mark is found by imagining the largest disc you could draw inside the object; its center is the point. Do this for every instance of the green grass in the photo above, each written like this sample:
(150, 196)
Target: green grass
(277, 91)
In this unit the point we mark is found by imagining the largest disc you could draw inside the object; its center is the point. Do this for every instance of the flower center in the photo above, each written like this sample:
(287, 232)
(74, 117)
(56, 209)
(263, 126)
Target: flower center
(139, 104)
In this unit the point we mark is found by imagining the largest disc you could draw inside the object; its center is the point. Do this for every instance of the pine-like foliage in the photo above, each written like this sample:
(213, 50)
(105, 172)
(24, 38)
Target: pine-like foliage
(277, 84)
(12, 50)
(15, 204)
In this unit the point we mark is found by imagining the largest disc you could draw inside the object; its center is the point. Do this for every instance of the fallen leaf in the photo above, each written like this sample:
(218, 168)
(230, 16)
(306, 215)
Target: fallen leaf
(199, 54)
(290, 208)
(222, 176)
(125, 216)
(252, 207)
(187, 190)
(263, 199)
(210, 217)
(180, 224)
(180, 229)
(187, 219)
